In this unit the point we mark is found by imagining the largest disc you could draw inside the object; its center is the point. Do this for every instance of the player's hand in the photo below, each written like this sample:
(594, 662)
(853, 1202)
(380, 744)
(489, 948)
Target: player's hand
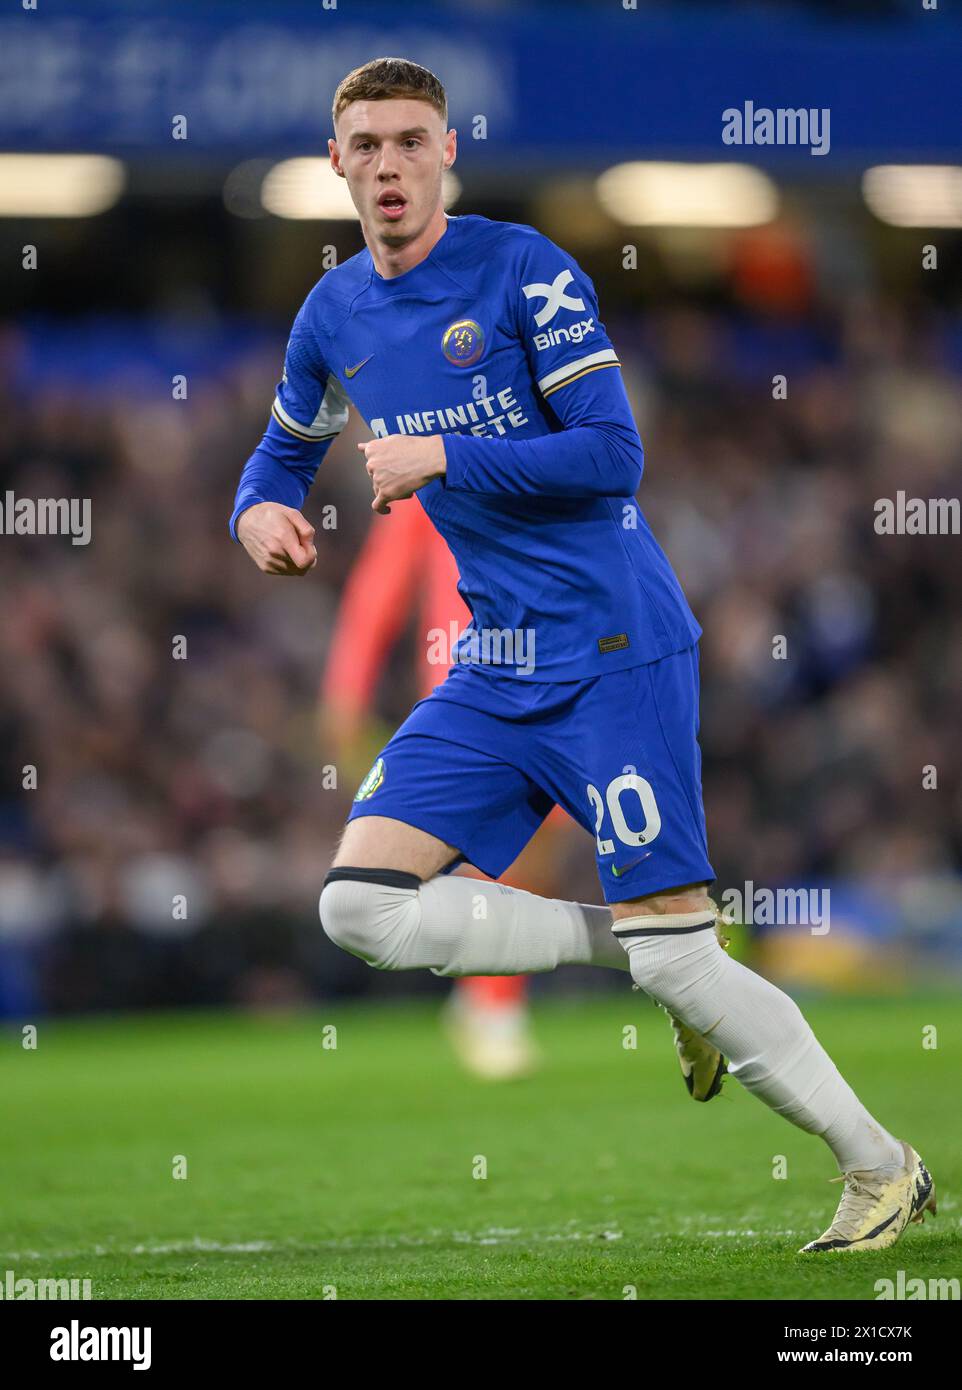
(277, 538)
(400, 464)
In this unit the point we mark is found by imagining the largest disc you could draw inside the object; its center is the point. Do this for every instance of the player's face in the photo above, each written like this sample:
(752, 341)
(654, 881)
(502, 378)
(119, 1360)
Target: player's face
(393, 154)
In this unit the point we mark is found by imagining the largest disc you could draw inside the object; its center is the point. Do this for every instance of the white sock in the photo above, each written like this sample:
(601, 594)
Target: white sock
(462, 926)
(771, 1050)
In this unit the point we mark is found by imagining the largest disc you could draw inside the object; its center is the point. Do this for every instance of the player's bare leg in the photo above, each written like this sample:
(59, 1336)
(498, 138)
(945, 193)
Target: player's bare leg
(677, 958)
(380, 842)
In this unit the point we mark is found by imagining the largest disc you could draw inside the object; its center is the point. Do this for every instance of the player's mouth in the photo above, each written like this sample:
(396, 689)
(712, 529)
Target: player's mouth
(392, 205)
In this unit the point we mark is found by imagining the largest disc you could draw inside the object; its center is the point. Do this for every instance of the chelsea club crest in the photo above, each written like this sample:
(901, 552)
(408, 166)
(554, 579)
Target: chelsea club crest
(371, 782)
(463, 342)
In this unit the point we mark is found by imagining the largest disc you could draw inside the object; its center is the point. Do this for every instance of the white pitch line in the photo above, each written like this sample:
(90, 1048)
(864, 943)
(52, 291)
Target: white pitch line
(493, 1235)
(200, 1245)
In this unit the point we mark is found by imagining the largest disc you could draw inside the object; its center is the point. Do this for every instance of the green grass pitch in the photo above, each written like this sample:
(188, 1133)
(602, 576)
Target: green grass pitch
(355, 1168)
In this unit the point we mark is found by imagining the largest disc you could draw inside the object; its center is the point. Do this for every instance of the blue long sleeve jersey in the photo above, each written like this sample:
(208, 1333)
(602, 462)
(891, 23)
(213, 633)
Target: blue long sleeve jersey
(493, 340)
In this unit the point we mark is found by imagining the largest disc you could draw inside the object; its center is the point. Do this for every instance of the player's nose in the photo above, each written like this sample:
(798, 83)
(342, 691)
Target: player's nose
(387, 165)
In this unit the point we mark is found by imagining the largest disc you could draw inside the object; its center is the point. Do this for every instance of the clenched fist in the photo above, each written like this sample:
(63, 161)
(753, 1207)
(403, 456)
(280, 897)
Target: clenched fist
(277, 538)
(401, 463)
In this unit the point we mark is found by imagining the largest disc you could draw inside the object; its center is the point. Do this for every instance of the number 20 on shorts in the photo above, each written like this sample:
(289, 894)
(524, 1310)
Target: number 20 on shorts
(628, 781)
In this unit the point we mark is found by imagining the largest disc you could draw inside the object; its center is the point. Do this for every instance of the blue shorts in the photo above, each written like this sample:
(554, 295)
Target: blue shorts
(480, 762)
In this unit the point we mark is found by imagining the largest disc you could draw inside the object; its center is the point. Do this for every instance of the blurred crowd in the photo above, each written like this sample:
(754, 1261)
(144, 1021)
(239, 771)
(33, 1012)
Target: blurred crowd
(188, 792)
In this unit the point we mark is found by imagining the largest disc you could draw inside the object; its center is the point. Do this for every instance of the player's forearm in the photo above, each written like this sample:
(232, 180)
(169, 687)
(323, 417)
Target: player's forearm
(270, 475)
(597, 460)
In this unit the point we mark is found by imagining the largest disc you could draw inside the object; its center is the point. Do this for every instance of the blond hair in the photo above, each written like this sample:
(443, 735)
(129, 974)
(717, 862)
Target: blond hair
(384, 78)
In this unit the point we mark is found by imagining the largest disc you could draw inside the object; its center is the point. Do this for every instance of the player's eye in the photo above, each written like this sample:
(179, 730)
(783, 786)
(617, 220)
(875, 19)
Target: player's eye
(412, 140)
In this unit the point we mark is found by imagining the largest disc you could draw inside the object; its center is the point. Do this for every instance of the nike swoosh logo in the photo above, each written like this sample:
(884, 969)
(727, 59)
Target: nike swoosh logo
(618, 872)
(353, 371)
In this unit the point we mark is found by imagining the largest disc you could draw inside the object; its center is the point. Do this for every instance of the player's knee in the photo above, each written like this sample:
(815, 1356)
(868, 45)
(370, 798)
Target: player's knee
(343, 917)
(674, 957)
(370, 917)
